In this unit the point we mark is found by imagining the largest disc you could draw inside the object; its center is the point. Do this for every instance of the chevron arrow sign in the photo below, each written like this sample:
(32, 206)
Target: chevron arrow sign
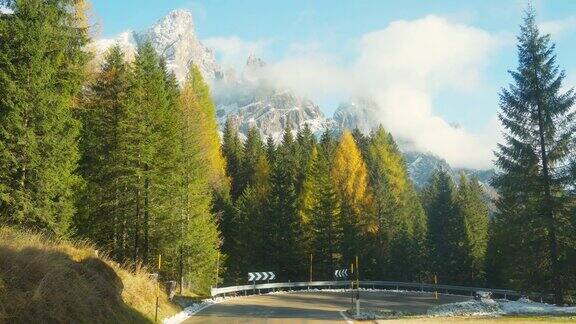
(257, 276)
(341, 273)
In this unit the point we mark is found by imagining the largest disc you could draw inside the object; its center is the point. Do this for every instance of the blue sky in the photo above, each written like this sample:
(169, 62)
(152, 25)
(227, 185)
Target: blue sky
(333, 38)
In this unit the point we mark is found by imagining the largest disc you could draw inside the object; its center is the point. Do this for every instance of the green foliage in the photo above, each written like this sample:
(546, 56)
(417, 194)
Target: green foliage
(283, 242)
(207, 129)
(350, 178)
(399, 240)
(233, 154)
(148, 180)
(253, 149)
(101, 215)
(532, 226)
(42, 62)
(475, 212)
(199, 175)
(134, 163)
(446, 230)
(319, 211)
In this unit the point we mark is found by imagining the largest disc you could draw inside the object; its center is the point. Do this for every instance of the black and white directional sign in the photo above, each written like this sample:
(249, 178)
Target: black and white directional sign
(257, 276)
(342, 273)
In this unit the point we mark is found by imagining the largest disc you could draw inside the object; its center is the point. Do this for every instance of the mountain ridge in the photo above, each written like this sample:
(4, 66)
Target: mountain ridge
(251, 99)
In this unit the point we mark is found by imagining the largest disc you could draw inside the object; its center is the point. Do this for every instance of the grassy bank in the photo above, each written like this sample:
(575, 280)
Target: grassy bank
(51, 281)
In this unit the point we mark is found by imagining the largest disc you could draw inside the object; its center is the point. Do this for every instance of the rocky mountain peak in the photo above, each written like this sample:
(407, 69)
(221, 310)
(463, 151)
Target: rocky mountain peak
(358, 112)
(252, 100)
(254, 62)
(174, 38)
(177, 21)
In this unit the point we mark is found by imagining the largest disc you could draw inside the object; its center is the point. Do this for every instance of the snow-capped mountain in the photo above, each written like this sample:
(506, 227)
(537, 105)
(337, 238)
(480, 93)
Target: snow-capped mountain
(358, 113)
(174, 37)
(125, 40)
(421, 166)
(252, 100)
(249, 99)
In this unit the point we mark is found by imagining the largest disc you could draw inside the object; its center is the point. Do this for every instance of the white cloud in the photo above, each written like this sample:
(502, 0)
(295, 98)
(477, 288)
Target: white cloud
(401, 67)
(310, 72)
(233, 51)
(558, 27)
(427, 54)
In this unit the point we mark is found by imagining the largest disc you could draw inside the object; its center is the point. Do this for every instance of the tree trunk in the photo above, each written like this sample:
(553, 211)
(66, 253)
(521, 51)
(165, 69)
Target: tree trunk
(549, 213)
(137, 226)
(146, 220)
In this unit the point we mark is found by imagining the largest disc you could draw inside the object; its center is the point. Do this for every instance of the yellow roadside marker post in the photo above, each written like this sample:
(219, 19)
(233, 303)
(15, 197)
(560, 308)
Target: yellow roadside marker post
(217, 269)
(436, 288)
(352, 284)
(158, 287)
(310, 267)
(357, 288)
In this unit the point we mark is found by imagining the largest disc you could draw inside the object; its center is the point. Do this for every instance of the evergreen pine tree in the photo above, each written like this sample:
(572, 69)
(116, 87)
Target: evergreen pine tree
(42, 60)
(361, 141)
(252, 150)
(539, 121)
(284, 250)
(250, 234)
(233, 154)
(447, 230)
(475, 212)
(401, 222)
(101, 216)
(148, 140)
(270, 149)
(305, 142)
(319, 210)
(328, 145)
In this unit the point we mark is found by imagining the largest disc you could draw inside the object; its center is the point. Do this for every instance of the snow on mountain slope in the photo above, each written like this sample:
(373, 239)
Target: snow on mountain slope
(357, 113)
(253, 101)
(250, 99)
(174, 37)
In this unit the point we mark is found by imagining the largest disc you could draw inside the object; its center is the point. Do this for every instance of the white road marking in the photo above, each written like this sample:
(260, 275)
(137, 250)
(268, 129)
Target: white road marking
(346, 318)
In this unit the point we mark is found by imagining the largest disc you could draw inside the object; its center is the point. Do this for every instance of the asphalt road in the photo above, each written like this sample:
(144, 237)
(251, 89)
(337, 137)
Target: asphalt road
(314, 307)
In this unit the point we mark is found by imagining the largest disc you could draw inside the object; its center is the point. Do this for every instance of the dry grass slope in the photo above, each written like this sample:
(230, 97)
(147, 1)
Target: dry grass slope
(51, 281)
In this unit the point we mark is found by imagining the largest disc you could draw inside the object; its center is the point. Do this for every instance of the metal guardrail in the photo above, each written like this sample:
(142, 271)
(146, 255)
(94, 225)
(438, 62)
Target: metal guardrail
(412, 286)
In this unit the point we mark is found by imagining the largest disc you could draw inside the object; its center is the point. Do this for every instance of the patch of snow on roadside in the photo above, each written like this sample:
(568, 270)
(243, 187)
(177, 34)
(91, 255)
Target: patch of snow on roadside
(489, 307)
(191, 311)
(484, 307)
(526, 306)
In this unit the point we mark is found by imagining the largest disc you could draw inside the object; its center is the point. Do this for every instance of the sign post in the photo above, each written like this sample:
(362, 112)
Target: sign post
(357, 288)
(352, 284)
(435, 288)
(310, 267)
(217, 268)
(158, 287)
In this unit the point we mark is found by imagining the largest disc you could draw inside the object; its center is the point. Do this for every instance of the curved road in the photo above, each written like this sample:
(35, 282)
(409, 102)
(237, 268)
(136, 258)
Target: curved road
(314, 307)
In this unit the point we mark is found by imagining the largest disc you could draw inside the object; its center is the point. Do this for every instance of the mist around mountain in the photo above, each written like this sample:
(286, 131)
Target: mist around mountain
(252, 98)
